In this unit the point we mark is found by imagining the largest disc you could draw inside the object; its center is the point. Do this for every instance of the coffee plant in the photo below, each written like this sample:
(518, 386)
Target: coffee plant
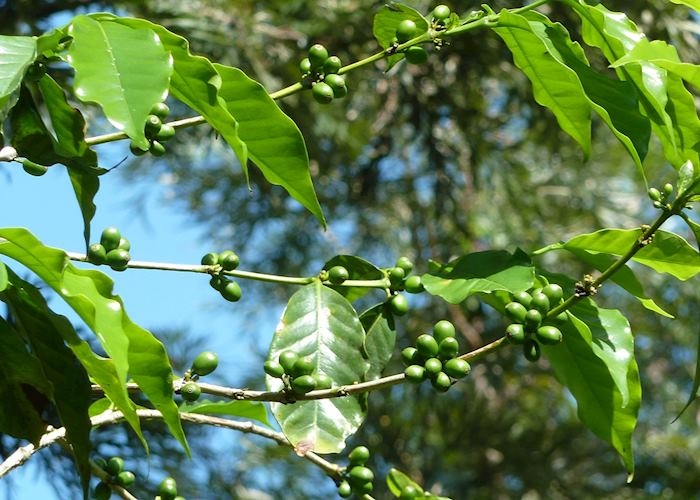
(326, 357)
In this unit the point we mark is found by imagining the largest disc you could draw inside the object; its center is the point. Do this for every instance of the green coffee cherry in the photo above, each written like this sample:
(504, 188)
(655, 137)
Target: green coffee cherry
(96, 254)
(124, 244)
(322, 92)
(126, 479)
(448, 348)
(228, 260)
(441, 12)
(516, 333)
(533, 318)
(337, 84)
(427, 345)
(344, 489)
(540, 302)
(338, 275)
(405, 264)
(323, 381)
(396, 276)
(273, 368)
(303, 366)
(332, 65)
(317, 55)
(523, 298)
(554, 292)
(168, 489)
(110, 238)
(217, 282)
(157, 149)
(102, 491)
(549, 335)
(531, 350)
(161, 110)
(360, 475)
(457, 368)
(359, 455)
(205, 363)
(305, 66)
(441, 382)
(410, 492)
(153, 124)
(443, 329)
(433, 366)
(416, 55)
(364, 488)
(210, 259)
(101, 463)
(165, 133)
(287, 360)
(405, 30)
(408, 356)
(190, 391)
(232, 291)
(398, 304)
(303, 384)
(415, 374)
(413, 284)
(137, 151)
(516, 311)
(118, 259)
(114, 466)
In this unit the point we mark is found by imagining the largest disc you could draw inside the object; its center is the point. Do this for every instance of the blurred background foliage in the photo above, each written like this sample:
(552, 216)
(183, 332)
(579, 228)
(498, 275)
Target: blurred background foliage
(430, 162)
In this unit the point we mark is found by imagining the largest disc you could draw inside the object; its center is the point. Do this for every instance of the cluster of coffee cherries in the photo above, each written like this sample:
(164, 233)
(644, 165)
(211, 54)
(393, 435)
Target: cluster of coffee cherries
(434, 358)
(400, 280)
(357, 478)
(661, 197)
(319, 72)
(406, 30)
(297, 372)
(528, 311)
(117, 475)
(113, 250)
(205, 363)
(156, 131)
(167, 490)
(228, 261)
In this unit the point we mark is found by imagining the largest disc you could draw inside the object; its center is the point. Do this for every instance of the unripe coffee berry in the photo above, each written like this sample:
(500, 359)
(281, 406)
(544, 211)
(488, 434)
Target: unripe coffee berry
(110, 238)
(126, 479)
(205, 363)
(457, 368)
(317, 55)
(114, 466)
(97, 254)
(190, 391)
(232, 291)
(443, 329)
(441, 382)
(405, 30)
(359, 455)
(398, 304)
(427, 345)
(414, 284)
(303, 384)
(416, 55)
(273, 368)
(322, 92)
(338, 275)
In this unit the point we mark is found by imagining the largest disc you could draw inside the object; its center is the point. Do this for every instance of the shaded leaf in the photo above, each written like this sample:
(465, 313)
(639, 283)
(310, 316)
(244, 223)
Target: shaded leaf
(3, 276)
(18, 53)
(397, 481)
(358, 269)
(480, 272)
(554, 85)
(380, 339)
(242, 409)
(109, 61)
(387, 19)
(319, 322)
(274, 142)
(30, 137)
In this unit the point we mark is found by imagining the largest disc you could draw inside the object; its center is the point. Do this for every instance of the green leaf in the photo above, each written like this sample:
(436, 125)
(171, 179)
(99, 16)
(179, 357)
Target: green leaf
(687, 179)
(596, 363)
(380, 339)
(18, 53)
(21, 372)
(274, 142)
(693, 4)
(667, 252)
(614, 101)
(242, 409)
(480, 272)
(624, 277)
(387, 19)
(555, 85)
(99, 406)
(616, 35)
(195, 82)
(4, 282)
(30, 137)
(69, 125)
(319, 322)
(89, 293)
(358, 269)
(397, 481)
(72, 392)
(109, 61)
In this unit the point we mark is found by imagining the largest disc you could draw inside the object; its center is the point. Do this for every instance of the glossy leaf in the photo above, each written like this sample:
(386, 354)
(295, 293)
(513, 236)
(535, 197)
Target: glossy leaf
(319, 322)
(667, 252)
(358, 269)
(241, 409)
(387, 19)
(554, 85)
(89, 293)
(18, 53)
(195, 82)
(3, 276)
(109, 61)
(397, 481)
(688, 179)
(693, 4)
(598, 367)
(614, 101)
(380, 339)
(624, 277)
(21, 372)
(480, 272)
(274, 142)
